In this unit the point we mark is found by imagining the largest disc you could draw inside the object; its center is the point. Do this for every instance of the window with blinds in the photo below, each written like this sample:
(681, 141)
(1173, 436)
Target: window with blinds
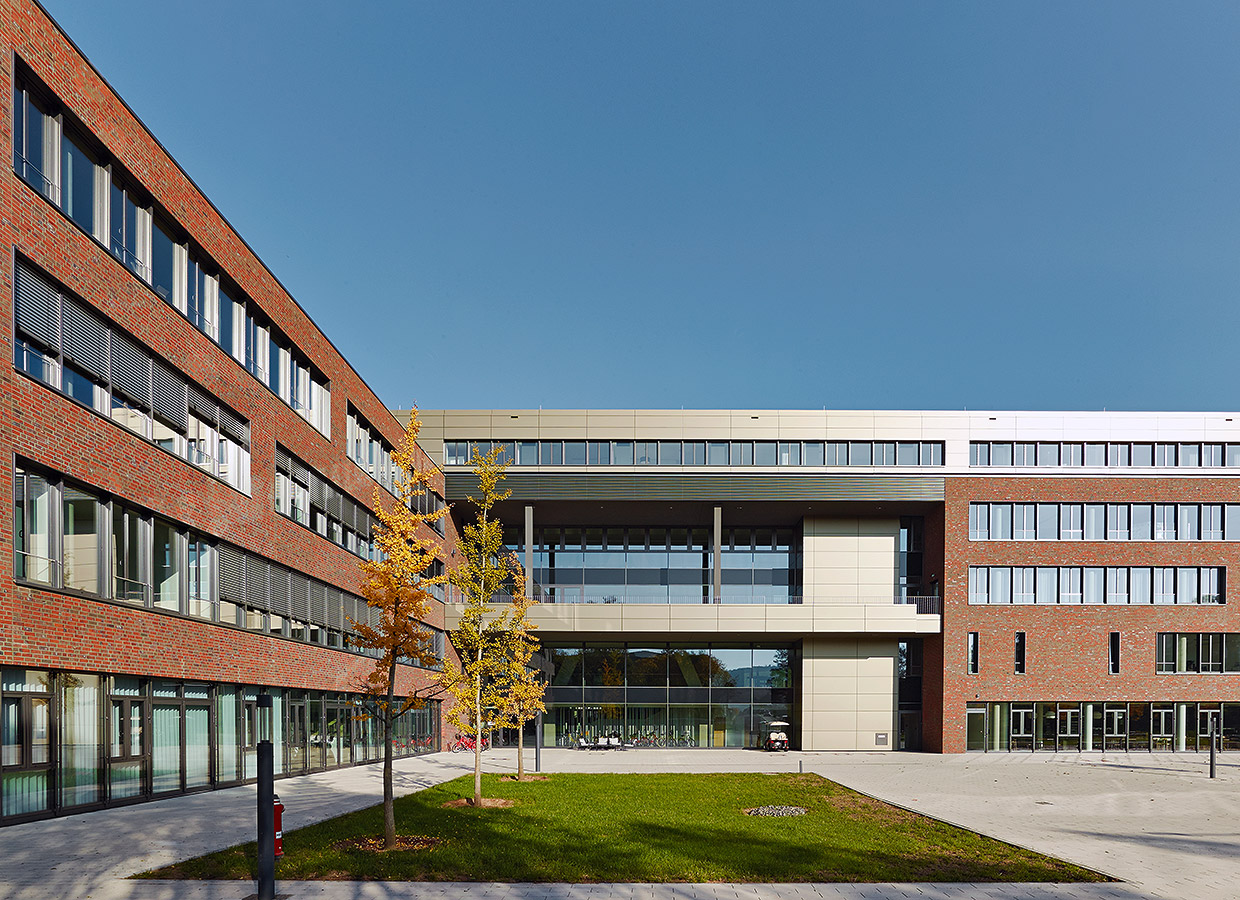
(72, 348)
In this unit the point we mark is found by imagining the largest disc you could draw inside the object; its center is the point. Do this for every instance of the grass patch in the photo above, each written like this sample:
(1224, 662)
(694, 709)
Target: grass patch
(645, 828)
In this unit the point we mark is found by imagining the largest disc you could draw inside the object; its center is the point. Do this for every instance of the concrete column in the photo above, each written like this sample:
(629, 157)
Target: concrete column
(718, 573)
(529, 551)
(996, 726)
(1181, 726)
(1087, 727)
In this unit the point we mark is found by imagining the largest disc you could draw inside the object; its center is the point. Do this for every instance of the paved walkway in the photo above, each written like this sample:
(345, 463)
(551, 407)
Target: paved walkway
(1154, 821)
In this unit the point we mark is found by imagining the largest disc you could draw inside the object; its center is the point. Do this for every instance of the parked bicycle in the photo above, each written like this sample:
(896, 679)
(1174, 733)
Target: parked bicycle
(464, 742)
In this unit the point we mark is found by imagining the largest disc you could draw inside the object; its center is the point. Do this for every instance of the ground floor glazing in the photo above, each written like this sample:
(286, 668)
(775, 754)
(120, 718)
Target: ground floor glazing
(71, 741)
(669, 695)
(1101, 725)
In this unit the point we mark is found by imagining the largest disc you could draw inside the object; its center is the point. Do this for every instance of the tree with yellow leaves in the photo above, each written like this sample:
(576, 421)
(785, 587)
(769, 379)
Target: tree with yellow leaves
(481, 638)
(398, 585)
(521, 686)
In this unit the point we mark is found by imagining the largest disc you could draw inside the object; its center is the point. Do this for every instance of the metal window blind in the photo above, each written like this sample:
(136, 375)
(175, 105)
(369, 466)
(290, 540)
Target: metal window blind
(299, 596)
(37, 307)
(131, 369)
(234, 426)
(85, 338)
(232, 574)
(203, 405)
(170, 390)
(278, 582)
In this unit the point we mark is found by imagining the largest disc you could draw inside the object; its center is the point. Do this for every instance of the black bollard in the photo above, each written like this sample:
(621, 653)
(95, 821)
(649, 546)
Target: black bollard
(1213, 745)
(266, 805)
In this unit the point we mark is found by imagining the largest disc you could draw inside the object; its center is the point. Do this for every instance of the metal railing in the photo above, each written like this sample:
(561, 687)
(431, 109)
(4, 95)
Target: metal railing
(926, 606)
(34, 568)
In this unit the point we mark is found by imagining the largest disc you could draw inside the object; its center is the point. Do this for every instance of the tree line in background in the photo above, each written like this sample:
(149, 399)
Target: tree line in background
(495, 684)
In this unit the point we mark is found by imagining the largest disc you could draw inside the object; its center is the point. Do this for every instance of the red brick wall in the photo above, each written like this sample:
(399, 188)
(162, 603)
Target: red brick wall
(1067, 647)
(932, 644)
(44, 629)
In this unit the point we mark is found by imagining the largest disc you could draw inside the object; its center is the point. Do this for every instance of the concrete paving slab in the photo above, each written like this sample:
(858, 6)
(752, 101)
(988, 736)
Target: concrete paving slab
(1155, 821)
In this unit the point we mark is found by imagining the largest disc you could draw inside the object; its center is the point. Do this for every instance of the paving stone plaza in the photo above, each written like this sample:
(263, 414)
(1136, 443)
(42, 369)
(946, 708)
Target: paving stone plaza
(1156, 822)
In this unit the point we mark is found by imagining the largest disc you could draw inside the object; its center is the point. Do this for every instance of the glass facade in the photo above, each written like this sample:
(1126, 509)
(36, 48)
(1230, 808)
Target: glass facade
(75, 741)
(662, 565)
(1121, 726)
(668, 695)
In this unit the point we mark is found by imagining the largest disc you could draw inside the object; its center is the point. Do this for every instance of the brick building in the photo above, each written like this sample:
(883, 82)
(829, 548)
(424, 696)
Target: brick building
(880, 580)
(189, 466)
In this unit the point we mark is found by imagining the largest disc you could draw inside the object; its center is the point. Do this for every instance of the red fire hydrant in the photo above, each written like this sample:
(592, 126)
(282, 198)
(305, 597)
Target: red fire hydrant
(279, 825)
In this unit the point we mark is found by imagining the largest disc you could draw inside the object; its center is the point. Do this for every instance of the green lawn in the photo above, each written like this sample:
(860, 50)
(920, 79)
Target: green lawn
(647, 828)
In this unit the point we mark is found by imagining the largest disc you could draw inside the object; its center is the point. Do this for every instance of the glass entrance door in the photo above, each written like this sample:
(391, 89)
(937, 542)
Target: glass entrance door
(297, 737)
(25, 743)
(127, 756)
(1209, 722)
(1116, 719)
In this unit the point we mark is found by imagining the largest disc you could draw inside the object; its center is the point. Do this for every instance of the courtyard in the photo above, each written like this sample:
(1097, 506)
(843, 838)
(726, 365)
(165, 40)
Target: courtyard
(1154, 821)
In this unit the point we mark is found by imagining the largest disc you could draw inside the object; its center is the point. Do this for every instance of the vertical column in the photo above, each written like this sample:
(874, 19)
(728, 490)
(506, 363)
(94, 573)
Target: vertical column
(1087, 727)
(1181, 726)
(529, 551)
(996, 727)
(717, 576)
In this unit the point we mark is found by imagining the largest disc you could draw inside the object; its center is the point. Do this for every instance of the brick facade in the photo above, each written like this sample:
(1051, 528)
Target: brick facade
(65, 631)
(1067, 646)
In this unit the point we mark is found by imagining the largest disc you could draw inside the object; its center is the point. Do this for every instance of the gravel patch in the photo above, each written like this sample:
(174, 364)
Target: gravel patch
(776, 811)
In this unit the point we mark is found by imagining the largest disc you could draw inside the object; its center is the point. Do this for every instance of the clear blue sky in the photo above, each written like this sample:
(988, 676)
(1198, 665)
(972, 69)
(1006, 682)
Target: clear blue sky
(706, 204)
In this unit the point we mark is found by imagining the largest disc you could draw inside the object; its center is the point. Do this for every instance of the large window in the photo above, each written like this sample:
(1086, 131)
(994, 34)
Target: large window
(1072, 454)
(707, 453)
(1197, 653)
(1110, 585)
(73, 741)
(71, 537)
(662, 565)
(1104, 521)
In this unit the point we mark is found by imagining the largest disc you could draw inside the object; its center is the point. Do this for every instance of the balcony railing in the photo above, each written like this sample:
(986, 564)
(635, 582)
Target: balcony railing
(926, 606)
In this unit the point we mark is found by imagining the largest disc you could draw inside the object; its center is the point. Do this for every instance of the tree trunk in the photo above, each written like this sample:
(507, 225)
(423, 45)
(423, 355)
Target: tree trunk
(520, 749)
(478, 730)
(389, 801)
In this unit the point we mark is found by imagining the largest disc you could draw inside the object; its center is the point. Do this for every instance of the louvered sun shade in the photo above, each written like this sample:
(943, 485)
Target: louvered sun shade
(131, 369)
(170, 391)
(37, 307)
(85, 339)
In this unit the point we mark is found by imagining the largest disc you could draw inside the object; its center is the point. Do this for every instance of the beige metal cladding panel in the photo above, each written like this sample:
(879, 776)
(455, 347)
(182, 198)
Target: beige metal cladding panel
(598, 617)
(832, 740)
(646, 618)
(842, 617)
(573, 485)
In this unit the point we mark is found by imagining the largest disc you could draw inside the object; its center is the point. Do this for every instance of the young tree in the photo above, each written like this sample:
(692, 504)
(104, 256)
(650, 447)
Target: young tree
(481, 638)
(397, 585)
(521, 687)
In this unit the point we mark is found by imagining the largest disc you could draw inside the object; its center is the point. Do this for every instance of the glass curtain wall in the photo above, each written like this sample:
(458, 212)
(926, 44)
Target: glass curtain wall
(1101, 725)
(662, 565)
(667, 695)
(75, 741)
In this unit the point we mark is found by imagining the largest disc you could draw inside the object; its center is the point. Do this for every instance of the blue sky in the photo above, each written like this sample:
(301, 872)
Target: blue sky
(849, 205)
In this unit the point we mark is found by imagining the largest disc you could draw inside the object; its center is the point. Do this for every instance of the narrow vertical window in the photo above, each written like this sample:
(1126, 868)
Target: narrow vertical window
(1165, 654)
(973, 653)
(1020, 653)
(979, 521)
(1114, 653)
